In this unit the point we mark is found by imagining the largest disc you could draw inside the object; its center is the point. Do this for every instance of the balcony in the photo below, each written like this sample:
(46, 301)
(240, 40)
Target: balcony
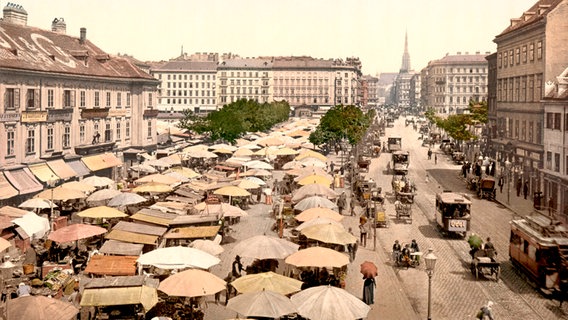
(86, 149)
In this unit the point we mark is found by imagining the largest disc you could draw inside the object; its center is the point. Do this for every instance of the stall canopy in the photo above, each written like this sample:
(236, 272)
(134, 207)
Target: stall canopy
(34, 225)
(101, 161)
(154, 217)
(112, 265)
(140, 228)
(43, 172)
(118, 291)
(62, 169)
(132, 237)
(23, 180)
(79, 167)
(193, 232)
(120, 248)
(6, 189)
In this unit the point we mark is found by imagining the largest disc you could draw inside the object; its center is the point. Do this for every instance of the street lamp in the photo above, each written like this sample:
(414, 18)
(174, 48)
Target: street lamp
(51, 183)
(430, 260)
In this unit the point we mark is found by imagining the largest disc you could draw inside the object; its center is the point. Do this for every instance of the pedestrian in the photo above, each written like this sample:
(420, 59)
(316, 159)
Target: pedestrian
(492, 171)
(427, 179)
(351, 247)
(526, 189)
(429, 153)
(436, 158)
(464, 170)
(75, 299)
(267, 195)
(229, 287)
(486, 312)
(519, 186)
(23, 290)
(500, 184)
(369, 290)
(332, 167)
(342, 202)
(363, 230)
(550, 205)
(237, 267)
(352, 205)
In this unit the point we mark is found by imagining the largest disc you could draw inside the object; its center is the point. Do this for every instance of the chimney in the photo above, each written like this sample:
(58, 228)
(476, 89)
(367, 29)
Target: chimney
(83, 36)
(15, 14)
(59, 26)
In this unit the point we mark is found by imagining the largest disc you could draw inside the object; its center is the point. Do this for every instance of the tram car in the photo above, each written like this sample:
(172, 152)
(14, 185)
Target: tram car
(538, 246)
(453, 213)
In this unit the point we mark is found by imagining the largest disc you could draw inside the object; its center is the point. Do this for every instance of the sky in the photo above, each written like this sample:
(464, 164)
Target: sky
(372, 30)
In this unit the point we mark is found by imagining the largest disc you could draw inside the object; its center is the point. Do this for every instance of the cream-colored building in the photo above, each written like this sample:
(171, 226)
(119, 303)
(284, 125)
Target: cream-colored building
(244, 78)
(62, 96)
(449, 83)
(531, 52)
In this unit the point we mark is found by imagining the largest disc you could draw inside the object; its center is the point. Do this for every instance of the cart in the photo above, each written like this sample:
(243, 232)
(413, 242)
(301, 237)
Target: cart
(484, 264)
(486, 188)
(381, 218)
(404, 211)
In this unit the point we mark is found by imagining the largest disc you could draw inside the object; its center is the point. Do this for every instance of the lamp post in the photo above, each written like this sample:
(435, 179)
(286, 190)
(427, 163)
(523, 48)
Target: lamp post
(430, 260)
(508, 165)
(51, 183)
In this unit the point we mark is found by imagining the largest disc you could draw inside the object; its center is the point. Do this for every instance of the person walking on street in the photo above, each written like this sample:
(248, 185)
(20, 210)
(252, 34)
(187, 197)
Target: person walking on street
(369, 290)
(519, 186)
(352, 205)
(363, 231)
(436, 158)
(429, 154)
(500, 184)
(237, 267)
(526, 189)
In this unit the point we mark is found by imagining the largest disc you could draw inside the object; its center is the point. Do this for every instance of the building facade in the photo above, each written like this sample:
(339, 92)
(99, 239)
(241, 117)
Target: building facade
(244, 78)
(61, 96)
(450, 83)
(372, 92)
(402, 87)
(186, 84)
(555, 170)
(532, 51)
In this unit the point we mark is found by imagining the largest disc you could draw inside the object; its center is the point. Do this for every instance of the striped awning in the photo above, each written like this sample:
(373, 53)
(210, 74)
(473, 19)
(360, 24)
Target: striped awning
(6, 189)
(62, 169)
(79, 167)
(101, 161)
(43, 172)
(23, 180)
(132, 237)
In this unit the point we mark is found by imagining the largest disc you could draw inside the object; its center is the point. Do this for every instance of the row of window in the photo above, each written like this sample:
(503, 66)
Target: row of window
(555, 166)
(520, 89)
(184, 93)
(244, 74)
(520, 55)
(186, 76)
(12, 99)
(554, 121)
(523, 130)
(188, 101)
(448, 70)
(190, 85)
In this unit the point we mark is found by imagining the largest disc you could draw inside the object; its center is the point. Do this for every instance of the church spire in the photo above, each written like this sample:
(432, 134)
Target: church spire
(406, 56)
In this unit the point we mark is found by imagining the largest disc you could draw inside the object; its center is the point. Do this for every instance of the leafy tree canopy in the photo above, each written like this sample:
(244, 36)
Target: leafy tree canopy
(458, 125)
(342, 122)
(235, 119)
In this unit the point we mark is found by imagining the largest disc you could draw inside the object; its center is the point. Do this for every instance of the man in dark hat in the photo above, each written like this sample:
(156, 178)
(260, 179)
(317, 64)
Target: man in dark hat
(237, 267)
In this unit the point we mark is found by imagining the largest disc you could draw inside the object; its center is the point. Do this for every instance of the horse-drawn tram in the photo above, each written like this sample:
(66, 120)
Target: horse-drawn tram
(539, 247)
(453, 213)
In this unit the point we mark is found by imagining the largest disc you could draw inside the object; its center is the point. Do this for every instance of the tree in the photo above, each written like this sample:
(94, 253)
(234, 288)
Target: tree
(342, 122)
(458, 126)
(235, 119)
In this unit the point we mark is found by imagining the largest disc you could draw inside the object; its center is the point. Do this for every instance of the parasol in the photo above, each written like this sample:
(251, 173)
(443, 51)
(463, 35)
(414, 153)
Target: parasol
(75, 232)
(125, 199)
(369, 269)
(102, 212)
(37, 203)
(267, 281)
(266, 304)
(329, 303)
(192, 283)
(39, 308)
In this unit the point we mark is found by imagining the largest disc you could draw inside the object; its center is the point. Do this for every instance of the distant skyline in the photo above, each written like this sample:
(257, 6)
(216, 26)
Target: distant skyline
(372, 30)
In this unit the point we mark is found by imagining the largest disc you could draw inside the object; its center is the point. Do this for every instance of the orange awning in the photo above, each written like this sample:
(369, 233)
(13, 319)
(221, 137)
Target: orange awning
(101, 161)
(62, 169)
(6, 189)
(43, 172)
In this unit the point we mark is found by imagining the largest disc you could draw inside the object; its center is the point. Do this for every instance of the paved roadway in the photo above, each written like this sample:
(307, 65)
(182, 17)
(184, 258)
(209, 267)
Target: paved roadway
(402, 293)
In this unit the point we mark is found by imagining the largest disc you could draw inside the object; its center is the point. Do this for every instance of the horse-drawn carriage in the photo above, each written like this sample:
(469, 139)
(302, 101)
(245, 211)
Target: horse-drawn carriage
(402, 188)
(458, 157)
(483, 263)
(486, 188)
(403, 211)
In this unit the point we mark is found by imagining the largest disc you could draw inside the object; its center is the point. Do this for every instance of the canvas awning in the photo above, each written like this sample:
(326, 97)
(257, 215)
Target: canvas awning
(6, 189)
(121, 290)
(112, 265)
(43, 172)
(62, 169)
(79, 167)
(121, 248)
(23, 180)
(132, 237)
(192, 232)
(153, 216)
(101, 161)
(139, 228)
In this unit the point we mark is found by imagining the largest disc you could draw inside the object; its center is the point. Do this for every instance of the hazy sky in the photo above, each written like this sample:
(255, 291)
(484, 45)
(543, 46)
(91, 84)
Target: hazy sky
(372, 30)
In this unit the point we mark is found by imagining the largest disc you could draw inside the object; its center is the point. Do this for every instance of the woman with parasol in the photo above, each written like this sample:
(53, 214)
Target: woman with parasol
(369, 271)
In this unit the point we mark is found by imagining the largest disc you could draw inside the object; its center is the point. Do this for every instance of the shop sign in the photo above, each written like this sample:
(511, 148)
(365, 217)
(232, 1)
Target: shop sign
(94, 113)
(34, 116)
(117, 113)
(151, 113)
(59, 115)
(9, 117)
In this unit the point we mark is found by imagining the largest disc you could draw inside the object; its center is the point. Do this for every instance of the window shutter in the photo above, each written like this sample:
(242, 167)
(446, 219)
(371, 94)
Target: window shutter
(36, 99)
(17, 98)
(72, 98)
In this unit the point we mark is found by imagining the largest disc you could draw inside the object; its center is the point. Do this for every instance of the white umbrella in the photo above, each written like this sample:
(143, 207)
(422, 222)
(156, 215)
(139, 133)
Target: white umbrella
(257, 164)
(317, 221)
(262, 304)
(256, 180)
(37, 203)
(265, 247)
(178, 258)
(143, 168)
(208, 246)
(329, 303)
(126, 199)
(314, 202)
(97, 181)
(102, 195)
